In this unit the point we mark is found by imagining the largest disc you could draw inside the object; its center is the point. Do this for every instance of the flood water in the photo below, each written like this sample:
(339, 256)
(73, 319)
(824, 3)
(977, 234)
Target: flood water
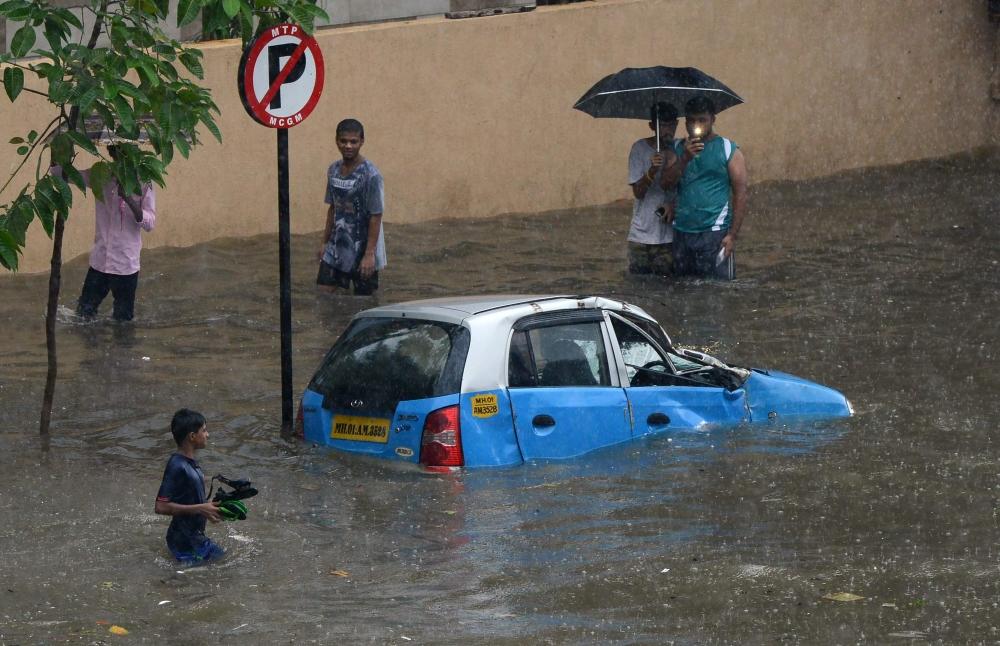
(883, 283)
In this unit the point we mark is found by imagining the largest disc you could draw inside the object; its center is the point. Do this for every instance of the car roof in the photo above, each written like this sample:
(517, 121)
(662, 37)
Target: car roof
(456, 309)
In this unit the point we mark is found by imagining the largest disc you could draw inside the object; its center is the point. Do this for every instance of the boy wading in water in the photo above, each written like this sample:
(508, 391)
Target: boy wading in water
(182, 493)
(353, 248)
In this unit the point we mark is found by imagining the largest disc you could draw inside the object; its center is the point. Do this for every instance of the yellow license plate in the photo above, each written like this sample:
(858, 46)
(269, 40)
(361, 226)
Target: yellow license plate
(361, 429)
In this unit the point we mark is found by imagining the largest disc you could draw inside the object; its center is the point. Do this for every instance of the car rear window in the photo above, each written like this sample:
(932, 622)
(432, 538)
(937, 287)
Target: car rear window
(387, 360)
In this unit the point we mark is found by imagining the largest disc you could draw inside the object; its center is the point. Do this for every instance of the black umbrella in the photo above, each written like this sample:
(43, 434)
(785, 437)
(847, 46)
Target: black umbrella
(630, 93)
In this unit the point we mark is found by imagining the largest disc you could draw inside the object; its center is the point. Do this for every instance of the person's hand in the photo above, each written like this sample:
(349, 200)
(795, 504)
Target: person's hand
(668, 212)
(693, 146)
(368, 264)
(319, 254)
(656, 163)
(729, 243)
(210, 510)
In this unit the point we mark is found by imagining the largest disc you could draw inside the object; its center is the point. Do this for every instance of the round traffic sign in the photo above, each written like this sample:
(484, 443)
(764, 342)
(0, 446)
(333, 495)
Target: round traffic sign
(281, 76)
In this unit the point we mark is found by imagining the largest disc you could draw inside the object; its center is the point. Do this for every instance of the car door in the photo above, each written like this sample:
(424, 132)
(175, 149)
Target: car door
(661, 396)
(564, 398)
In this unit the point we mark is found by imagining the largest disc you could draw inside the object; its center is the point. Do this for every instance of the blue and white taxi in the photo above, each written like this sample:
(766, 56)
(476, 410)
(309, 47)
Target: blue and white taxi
(497, 380)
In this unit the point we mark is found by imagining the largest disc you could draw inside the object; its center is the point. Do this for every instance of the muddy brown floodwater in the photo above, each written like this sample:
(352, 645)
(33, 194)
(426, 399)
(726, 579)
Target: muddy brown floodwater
(882, 283)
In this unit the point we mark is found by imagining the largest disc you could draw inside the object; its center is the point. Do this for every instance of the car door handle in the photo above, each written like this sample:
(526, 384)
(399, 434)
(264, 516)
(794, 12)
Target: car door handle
(543, 420)
(657, 419)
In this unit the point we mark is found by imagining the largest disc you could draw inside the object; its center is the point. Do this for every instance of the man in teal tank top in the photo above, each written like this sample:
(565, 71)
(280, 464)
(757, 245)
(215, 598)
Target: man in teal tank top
(711, 179)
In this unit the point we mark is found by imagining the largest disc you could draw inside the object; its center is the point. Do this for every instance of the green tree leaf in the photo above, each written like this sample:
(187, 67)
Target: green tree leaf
(8, 250)
(17, 10)
(67, 17)
(13, 82)
(19, 216)
(125, 114)
(191, 59)
(100, 175)
(62, 148)
(83, 141)
(86, 100)
(48, 192)
(74, 176)
(22, 42)
(55, 32)
(212, 127)
(187, 11)
(231, 7)
(46, 211)
(182, 145)
(59, 91)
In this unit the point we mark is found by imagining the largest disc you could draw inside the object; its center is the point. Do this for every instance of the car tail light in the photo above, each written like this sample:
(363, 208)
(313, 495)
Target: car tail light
(441, 443)
(299, 426)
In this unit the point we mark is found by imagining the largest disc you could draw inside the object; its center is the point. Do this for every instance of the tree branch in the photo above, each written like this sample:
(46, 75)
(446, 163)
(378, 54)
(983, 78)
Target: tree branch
(34, 145)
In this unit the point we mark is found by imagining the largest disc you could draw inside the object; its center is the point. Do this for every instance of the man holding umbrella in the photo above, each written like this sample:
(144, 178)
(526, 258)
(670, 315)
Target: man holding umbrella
(711, 180)
(650, 234)
(709, 169)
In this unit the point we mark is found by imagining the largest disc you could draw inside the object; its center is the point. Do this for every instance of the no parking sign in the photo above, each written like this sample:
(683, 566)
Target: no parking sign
(281, 76)
(280, 80)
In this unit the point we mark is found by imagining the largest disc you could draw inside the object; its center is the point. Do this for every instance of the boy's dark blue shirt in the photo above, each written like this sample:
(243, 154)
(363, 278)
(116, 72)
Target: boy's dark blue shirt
(184, 484)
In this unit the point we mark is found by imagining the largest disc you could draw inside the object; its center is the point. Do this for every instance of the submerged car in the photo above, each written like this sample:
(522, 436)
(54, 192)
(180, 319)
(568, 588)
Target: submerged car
(499, 380)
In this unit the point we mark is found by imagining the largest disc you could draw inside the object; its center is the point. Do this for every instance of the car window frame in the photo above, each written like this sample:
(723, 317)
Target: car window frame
(559, 318)
(620, 358)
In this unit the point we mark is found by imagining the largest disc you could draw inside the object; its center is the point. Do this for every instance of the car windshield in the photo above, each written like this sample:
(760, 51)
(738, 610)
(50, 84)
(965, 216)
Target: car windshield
(684, 365)
(383, 361)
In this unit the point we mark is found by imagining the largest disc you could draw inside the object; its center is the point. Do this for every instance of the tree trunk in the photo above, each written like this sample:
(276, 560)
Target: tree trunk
(55, 271)
(55, 277)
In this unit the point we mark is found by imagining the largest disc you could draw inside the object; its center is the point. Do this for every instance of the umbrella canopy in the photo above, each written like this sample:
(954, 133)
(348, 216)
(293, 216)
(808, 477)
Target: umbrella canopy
(630, 93)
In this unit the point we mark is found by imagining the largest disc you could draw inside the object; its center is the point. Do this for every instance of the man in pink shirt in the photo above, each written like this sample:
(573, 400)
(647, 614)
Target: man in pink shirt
(114, 258)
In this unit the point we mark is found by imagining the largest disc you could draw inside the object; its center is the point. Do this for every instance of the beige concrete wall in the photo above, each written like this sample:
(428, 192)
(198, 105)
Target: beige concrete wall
(473, 118)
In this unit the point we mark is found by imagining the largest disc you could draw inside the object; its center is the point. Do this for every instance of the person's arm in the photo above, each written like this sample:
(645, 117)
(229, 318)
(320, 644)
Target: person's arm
(368, 261)
(209, 510)
(327, 229)
(738, 186)
(641, 186)
(672, 174)
(144, 212)
(669, 161)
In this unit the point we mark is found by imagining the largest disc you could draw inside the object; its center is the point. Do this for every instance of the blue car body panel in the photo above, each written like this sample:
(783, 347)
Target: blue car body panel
(405, 427)
(684, 407)
(582, 419)
(777, 394)
(487, 422)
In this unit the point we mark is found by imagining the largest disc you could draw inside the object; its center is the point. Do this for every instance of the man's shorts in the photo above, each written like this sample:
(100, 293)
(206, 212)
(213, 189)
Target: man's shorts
(650, 258)
(330, 276)
(207, 551)
(697, 254)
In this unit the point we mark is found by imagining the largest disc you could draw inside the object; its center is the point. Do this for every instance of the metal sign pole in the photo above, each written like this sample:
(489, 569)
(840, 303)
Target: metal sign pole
(280, 80)
(285, 280)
